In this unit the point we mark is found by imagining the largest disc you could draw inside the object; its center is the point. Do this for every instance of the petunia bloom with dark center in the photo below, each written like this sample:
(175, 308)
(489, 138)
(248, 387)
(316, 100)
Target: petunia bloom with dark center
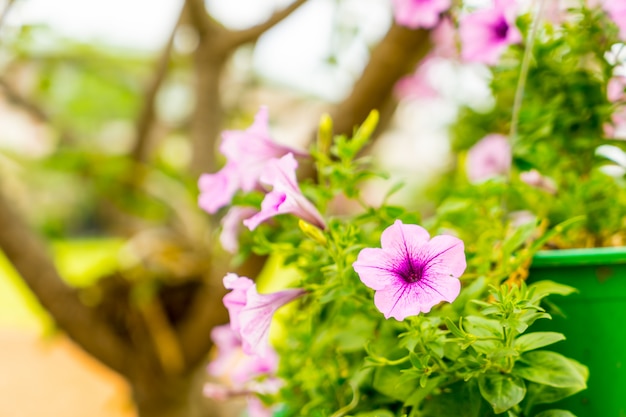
(411, 272)
(486, 33)
(501, 28)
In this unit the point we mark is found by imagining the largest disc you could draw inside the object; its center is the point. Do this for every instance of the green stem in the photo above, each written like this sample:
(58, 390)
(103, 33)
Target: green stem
(355, 400)
(521, 83)
(519, 93)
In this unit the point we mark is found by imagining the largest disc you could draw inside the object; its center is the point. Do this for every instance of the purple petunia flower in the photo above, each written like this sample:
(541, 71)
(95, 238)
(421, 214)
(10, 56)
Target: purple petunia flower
(247, 153)
(285, 196)
(411, 272)
(488, 158)
(419, 13)
(486, 33)
(251, 313)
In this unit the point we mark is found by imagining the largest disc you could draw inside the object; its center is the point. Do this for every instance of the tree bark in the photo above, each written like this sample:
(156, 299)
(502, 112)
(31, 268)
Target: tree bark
(28, 254)
(161, 396)
(208, 113)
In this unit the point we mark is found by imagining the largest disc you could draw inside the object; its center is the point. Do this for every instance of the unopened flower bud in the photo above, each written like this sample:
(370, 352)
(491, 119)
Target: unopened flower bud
(313, 232)
(325, 134)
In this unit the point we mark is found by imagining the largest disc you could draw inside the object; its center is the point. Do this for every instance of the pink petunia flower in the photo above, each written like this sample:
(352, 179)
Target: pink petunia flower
(285, 196)
(411, 272)
(256, 408)
(616, 9)
(444, 40)
(251, 313)
(217, 190)
(231, 225)
(535, 179)
(417, 85)
(419, 13)
(488, 158)
(241, 374)
(555, 11)
(247, 153)
(615, 88)
(486, 33)
(231, 363)
(616, 129)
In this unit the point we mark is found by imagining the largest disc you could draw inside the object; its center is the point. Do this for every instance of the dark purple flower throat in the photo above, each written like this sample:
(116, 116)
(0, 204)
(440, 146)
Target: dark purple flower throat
(501, 28)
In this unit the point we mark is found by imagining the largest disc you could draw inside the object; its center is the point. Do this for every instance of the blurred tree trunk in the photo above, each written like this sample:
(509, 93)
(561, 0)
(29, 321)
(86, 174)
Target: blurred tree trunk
(216, 45)
(161, 396)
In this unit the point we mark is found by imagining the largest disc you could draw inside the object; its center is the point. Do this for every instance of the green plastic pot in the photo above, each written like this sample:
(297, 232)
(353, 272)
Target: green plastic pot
(594, 324)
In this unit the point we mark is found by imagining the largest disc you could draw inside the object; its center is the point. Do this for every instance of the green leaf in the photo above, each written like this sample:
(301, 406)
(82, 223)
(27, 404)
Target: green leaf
(531, 341)
(453, 328)
(375, 413)
(555, 413)
(551, 368)
(390, 381)
(521, 235)
(501, 391)
(461, 399)
(394, 189)
(546, 287)
(483, 327)
(545, 394)
(423, 391)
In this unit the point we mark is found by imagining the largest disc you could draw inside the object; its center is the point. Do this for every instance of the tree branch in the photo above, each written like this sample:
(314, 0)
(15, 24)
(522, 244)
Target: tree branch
(199, 17)
(194, 333)
(146, 114)
(29, 256)
(33, 110)
(394, 57)
(15, 98)
(235, 39)
(6, 11)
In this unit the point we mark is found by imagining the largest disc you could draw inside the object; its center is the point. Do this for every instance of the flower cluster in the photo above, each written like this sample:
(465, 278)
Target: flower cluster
(374, 301)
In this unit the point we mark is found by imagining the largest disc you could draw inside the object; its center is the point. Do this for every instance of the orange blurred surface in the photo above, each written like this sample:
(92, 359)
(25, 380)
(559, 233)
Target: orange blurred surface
(52, 377)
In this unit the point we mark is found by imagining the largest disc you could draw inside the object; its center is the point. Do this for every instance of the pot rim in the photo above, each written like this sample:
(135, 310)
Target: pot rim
(581, 256)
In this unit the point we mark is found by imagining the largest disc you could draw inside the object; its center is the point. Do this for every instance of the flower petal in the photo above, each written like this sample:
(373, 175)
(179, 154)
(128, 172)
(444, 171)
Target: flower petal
(256, 317)
(446, 256)
(286, 196)
(231, 224)
(400, 301)
(270, 207)
(374, 267)
(399, 236)
(217, 190)
(236, 300)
